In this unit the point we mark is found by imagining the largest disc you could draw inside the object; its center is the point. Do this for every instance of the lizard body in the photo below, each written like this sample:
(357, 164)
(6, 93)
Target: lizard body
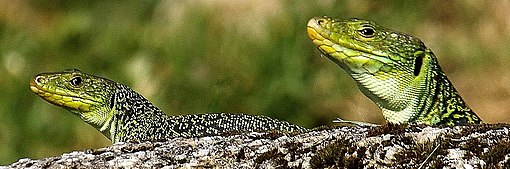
(122, 114)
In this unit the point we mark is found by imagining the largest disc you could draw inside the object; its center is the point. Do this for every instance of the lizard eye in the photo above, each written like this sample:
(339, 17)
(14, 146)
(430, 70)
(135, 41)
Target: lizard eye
(76, 81)
(367, 31)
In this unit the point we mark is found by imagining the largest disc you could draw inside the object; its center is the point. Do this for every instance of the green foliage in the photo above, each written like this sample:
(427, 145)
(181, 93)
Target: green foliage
(211, 56)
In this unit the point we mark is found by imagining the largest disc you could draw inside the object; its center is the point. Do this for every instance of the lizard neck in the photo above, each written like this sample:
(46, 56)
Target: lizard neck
(447, 106)
(134, 117)
(437, 101)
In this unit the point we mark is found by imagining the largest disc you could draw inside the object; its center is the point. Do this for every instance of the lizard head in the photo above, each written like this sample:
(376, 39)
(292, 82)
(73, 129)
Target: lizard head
(391, 68)
(90, 97)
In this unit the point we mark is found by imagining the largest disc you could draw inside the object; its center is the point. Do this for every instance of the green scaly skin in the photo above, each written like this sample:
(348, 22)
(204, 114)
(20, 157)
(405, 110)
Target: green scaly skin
(395, 70)
(123, 115)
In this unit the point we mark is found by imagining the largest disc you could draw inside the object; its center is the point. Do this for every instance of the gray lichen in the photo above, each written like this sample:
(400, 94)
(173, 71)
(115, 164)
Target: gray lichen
(390, 146)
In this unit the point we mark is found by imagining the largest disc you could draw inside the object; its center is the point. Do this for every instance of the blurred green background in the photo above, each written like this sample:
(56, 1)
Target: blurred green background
(228, 56)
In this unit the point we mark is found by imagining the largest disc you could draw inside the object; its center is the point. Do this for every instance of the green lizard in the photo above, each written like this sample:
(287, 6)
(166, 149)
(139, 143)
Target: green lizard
(122, 114)
(395, 70)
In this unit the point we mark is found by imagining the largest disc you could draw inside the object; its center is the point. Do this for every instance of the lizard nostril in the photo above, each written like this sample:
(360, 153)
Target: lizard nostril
(39, 79)
(320, 21)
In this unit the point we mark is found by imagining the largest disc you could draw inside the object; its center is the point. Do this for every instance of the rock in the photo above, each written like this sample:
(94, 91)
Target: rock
(388, 146)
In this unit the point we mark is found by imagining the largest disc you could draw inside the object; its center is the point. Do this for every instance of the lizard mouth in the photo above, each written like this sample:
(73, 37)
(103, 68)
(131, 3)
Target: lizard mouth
(60, 97)
(38, 88)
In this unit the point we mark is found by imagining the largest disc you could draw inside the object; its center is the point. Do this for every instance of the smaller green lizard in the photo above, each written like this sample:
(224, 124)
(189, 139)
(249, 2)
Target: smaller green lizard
(122, 114)
(395, 70)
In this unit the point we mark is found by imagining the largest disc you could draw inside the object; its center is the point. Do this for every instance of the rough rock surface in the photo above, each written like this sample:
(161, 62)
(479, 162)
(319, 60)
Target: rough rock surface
(389, 146)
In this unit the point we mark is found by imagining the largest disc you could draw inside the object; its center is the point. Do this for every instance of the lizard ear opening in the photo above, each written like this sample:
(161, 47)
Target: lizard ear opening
(418, 62)
(112, 101)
